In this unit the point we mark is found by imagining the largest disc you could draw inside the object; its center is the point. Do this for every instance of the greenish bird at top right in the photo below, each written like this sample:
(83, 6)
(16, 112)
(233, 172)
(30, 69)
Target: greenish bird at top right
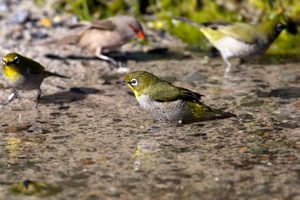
(239, 40)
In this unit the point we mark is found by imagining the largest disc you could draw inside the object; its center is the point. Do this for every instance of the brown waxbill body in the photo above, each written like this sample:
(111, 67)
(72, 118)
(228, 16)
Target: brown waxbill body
(109, 34)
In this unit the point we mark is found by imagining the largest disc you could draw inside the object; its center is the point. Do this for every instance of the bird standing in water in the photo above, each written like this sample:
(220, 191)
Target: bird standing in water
(168, 103)
(238, 40)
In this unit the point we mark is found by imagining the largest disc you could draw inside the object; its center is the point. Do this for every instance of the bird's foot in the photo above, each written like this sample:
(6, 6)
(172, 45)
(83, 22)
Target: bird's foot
(38, 97)
(10, 98)
(113, 64)
(228, 64)
(6, 103)
(35, 105)
(122, 69)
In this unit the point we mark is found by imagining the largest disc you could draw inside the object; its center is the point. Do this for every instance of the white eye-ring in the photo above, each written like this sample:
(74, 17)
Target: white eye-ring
(134, 82)
(17, 60)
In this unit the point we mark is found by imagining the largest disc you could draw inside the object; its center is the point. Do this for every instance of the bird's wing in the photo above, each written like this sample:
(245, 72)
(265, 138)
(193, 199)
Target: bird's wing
(240, 31)
(79, 24)
(35, 68)
(105, 24)
(168, 92)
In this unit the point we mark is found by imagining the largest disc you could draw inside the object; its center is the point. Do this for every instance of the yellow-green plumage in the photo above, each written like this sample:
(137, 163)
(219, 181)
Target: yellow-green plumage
(23, 73)
(168, 103)
(251, 34)
(239, 40)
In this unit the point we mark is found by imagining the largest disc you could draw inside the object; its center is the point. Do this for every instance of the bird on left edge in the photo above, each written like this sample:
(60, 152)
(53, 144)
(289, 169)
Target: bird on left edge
(23, 73)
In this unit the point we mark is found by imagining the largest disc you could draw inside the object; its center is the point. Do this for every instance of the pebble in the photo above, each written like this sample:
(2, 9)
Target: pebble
(259, 150)
(45, 22)
(15, 129)
(192, 77)
(286, 93)
(20, 17)
(3, 7)
(289, 77)
(39, 35)
(251, 101)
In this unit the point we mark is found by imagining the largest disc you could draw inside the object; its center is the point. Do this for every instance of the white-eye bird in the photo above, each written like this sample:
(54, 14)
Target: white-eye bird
(168, 103)
(23, 73)
(239, 40)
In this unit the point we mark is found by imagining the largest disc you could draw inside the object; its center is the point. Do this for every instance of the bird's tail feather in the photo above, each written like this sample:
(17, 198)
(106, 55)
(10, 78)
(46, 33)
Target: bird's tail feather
(70, 39)
(47, 74)
(205, 112)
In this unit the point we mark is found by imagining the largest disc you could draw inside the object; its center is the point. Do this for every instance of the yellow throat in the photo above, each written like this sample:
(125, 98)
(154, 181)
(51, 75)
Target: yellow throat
(136, 93)
(12, 72)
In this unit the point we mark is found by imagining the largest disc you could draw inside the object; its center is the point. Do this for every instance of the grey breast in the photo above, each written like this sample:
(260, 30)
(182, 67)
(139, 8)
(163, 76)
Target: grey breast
(164, 111)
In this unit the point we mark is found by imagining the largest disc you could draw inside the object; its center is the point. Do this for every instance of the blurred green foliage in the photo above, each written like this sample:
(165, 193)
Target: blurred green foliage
(91, 9)
(161, 13)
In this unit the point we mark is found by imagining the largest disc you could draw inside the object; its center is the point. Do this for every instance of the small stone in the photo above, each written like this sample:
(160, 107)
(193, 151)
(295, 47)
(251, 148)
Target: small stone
(79, 176)
(192, 77)
(296, 105)
(286, 93)
(246, 116)
(20, 17)
(15, 129)
(259, 150)
(266, 135)
(103, 159)
(3, 7)
(117, 120)
(86, 161)
(45, 22)
(39, 35)
(289, 77)
(292, 158)
(251, 102)
(244, 149)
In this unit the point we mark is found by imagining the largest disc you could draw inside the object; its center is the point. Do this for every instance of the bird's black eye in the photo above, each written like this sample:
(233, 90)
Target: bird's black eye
(134, 82)
(17, 60)
(280, 27)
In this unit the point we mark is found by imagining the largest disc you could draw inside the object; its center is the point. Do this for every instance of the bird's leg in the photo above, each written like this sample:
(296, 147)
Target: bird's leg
(11, 97)
(228, 66)
(39, 93)
(106, 58)
(120, 68)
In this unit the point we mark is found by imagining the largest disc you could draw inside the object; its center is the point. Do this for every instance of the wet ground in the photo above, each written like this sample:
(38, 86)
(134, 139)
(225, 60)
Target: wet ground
(89, 138)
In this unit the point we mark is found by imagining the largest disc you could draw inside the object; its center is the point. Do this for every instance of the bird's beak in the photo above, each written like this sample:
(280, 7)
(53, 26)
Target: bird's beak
(122, 82)
(141, 35)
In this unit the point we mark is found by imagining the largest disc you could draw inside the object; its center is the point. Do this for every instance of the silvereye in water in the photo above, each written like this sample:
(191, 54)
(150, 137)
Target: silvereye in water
(23, 73)
(239, 40)
(168, 103)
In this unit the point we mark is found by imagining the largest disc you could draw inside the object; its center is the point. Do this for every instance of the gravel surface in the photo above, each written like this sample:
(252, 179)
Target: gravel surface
(90, 138)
